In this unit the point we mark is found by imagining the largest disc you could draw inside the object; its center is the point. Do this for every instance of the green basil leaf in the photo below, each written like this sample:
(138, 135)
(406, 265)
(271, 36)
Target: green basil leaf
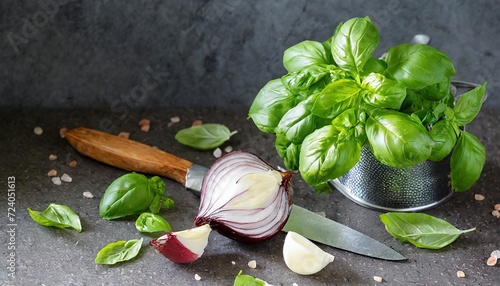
(204, 137)
(467, 162)
(305, 54)
(325, 155)
(352, 123)
(468, 105)
(397, 139)
(336, 98)
(383, 92)
(421, 230)
(150, 222)
(418, 66)
(436, 92)
(247, 280)
(373, 65)
(354, 43)
(130, 194)
(60, 216)
(270, 104)
(303, 80)
(288, 151)
(444, 137)
(119, 251)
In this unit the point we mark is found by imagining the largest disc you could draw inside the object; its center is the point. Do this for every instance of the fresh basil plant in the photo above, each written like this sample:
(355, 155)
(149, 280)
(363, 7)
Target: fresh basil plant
(337, 97)
(133, 194)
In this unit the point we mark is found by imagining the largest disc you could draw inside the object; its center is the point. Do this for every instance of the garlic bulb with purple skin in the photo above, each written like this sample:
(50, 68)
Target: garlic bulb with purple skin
(244, 198)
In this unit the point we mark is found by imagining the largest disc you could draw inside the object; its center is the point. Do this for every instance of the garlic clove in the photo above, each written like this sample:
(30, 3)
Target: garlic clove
(303, 256)
(183, 246)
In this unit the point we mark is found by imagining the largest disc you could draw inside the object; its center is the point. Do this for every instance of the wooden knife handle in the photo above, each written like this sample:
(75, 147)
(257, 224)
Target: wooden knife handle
(128, 154)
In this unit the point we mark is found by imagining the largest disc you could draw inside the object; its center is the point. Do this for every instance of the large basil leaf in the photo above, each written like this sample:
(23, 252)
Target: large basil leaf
(418, 66)
(288, 151)
(383, 92)
(305, 54)
(325, 155)
(270, 104)
(304, 79)
(56, 215)
(437, 91)
(467, 162)
(444, 137)
(421, 230)
(397, 139)
(354, 43)
(336, 98)
(468, 105)
(119, 251)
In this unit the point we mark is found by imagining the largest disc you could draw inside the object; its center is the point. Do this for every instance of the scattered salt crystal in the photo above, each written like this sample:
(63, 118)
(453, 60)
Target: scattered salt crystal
(145, 128)
(197, 122)
(377, 279)
(217, 152)
(496, 213)
(197, 277)
(62, 132)
(495, 253)
(252, 264)
(497, 207)
(144, 122)
(460, 274)
(295, 284)
(56, 180)
(478, 197)
(52, 157)
(66, 178)
(125, 135)
(233, 263)
(72, 163)
(52, 173)
(38, 130)
(228, 149)
(88, 195)
(175, 119)
(492, 261)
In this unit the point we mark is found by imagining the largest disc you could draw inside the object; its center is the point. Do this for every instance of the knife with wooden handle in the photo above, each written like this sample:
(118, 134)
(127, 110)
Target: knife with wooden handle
(134, 156)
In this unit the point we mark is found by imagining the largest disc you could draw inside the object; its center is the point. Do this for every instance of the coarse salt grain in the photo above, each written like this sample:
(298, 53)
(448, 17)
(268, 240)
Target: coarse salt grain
(497, 207)
(492, 261)
(66, 178)
(175, 119)
(88, 195)
(478, 197)
(197, 122)
(496, 213)
(377, 279)
(252, 264)
(52, 173)
(460, 274)
(38, 130)
(295, 284)
(125, 135)
(495, 253)
(56, 180)
(145, 128)
(62, 132)
(228, 149)
(217, 152)
(197, 277)
(72, 163)
(52, 157)
(144, 122)
(233, 263)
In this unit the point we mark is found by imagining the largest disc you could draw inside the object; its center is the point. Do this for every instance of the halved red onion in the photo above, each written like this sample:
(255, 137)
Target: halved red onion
(245, 198)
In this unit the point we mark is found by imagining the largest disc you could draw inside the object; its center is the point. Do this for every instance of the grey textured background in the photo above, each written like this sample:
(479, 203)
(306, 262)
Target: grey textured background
(208, 53)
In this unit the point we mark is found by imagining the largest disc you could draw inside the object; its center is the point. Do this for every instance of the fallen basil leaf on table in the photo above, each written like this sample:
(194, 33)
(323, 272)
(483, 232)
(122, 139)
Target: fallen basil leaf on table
(119, 251)
(205, 136)
(60, 216)
(133, 194)
(421, 230)
(150, 222)
(247, 280)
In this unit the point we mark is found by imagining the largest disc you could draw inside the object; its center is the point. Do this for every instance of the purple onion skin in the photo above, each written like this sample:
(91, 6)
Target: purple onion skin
(231, 233)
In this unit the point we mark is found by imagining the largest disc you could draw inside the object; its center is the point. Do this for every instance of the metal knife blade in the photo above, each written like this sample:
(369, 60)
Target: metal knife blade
(134, 156)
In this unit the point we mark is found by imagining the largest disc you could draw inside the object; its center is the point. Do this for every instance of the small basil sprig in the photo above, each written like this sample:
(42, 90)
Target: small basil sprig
(118, 251)
(205, 136)
(60, 216)
(133, 194)
(421, 230)
(149, 222)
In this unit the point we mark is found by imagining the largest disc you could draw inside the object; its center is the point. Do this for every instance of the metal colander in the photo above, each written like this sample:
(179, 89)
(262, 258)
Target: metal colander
(377, 186)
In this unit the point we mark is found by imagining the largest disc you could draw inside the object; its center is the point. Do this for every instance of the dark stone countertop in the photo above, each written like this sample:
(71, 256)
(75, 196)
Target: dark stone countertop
(51, 256)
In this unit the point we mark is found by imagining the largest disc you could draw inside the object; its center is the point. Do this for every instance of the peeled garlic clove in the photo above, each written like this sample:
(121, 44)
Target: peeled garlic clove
(183, 246)
(303, 256)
